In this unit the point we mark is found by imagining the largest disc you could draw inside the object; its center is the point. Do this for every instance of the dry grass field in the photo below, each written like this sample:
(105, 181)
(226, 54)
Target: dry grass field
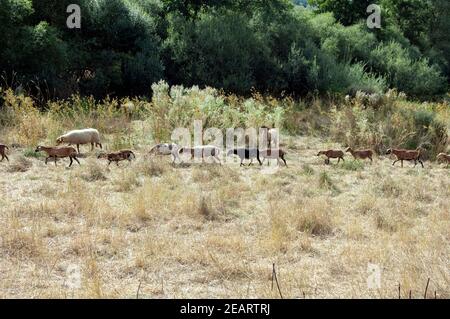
(204, 230)
(157, 230)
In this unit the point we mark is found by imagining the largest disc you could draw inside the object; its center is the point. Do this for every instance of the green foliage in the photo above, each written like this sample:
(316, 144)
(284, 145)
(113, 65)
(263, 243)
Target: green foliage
(347, 12)
(276, 47)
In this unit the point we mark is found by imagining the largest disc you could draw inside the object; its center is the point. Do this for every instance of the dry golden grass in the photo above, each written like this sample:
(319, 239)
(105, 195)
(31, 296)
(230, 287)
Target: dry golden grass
(214, 231)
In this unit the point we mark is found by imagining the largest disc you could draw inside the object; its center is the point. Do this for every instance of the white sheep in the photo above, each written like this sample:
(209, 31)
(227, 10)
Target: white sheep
(80, 137)
(166, 149)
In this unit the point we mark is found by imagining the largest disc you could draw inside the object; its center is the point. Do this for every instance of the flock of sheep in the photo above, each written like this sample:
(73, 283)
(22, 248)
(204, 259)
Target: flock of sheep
(92, 136)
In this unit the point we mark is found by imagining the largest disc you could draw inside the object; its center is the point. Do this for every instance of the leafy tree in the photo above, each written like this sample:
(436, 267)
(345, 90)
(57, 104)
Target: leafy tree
(346, 11)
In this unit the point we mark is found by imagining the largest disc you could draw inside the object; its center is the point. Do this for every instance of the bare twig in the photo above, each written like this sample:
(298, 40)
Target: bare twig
(399, 291)
(139, 288)
(426, 289)
(274, 275)
(410, 294)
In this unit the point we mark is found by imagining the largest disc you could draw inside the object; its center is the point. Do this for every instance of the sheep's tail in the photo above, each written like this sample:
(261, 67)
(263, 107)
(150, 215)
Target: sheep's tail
(134, 156)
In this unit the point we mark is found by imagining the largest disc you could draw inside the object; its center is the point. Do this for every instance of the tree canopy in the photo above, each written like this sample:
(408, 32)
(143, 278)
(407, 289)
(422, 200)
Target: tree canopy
(123, 46)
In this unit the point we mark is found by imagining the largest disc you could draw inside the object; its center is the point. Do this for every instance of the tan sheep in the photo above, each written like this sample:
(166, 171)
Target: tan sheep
(332, 154)
(362, 154)
(405, 155)
(59, 152)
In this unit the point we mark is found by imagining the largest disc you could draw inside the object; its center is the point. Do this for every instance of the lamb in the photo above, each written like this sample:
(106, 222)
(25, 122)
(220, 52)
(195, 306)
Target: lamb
(166, 149)
(246, 153)
(273, 154)
(118, 156)
(444, 158)
(3, 149)
(59, 152)
(203, 151)
(332, 154)
(406, 155)
(362, 154)
(80, 137)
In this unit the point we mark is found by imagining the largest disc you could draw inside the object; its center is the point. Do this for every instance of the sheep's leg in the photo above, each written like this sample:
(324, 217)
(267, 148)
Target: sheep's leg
(402, 162)
(284, 161)
(259, 161)
(78, 148)
(339, 159)
(109, 163)
(55, 161)
(71, 161)
(395, 162)
(421, 163)
(6, 156)
(242, 162)
(251, 162)
(92, 147)
(76, 159)
(117, 163)
(46, 160)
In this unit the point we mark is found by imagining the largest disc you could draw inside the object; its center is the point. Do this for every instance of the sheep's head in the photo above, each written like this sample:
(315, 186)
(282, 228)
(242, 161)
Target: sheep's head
(102, 155)
(389, 151)
(59, 140)
(38, 149)
(320, 153)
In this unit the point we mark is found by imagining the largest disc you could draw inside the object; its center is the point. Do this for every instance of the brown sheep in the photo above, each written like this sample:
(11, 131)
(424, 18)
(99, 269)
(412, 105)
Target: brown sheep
(362, 154)
(118, 156)
(444, 158)
(406, 155)
(59, 152)
(3, 149)
(273, 154)
(332, 154)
